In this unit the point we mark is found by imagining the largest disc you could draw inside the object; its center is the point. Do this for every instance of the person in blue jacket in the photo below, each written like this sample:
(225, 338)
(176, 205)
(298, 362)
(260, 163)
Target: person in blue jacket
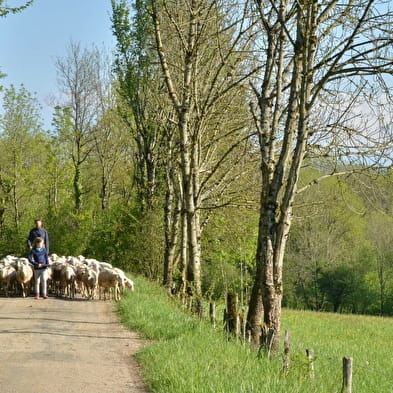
(38, 231)
(38, 257)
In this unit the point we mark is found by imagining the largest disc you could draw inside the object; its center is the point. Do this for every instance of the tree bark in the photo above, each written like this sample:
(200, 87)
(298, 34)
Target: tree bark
(172, 219)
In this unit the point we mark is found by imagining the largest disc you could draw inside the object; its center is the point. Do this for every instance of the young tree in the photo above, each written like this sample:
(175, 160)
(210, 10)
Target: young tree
(112, 142)
(322, 60)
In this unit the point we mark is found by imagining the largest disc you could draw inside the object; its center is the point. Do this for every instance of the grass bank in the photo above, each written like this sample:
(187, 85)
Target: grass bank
(187, 356)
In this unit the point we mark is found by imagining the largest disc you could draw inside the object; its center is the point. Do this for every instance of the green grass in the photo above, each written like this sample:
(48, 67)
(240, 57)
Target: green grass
(187, 356)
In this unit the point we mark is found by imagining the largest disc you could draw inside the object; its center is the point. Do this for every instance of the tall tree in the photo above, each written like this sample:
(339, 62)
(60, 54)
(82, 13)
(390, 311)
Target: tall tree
(204, 58)
(112, 142)
(141, 90)
(78, 78)
(60, 167)
(22, 147)
(319, 61)
(145, 110)
(112, 150)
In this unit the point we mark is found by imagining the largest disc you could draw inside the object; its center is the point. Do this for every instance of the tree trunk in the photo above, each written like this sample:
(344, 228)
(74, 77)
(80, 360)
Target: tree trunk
(184, 253)
(280, 165)
(255, 309)
(77, 188)
(172, 218)
(104, 192)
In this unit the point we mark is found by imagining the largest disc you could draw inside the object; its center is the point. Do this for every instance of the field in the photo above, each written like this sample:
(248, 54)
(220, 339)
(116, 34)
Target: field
(190, 357)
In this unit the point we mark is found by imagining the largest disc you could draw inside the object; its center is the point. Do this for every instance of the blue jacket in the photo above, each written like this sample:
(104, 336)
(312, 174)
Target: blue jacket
(41, 232)
(39, 256)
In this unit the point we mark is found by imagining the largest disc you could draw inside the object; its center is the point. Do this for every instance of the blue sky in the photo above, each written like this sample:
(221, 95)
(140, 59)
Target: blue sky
(31, 41)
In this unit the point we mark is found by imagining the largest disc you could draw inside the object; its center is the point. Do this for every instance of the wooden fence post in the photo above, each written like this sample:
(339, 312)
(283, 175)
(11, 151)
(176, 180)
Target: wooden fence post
(287, 347)
(310, 357)
(347, 375)
(212, 313)
(266, 341)
(231, 314)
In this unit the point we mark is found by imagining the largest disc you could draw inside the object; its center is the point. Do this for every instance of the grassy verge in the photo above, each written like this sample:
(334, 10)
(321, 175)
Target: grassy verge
(187, 356)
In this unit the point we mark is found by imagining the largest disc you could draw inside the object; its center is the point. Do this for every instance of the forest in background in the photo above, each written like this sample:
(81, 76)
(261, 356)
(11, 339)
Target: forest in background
(108, 177)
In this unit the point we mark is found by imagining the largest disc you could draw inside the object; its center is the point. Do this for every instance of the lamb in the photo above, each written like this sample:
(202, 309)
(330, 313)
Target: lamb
(11, 283)
(24, 274)
(9, 260)
(74, 261)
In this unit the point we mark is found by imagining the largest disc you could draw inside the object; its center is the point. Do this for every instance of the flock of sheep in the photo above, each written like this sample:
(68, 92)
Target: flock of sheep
(66, 277)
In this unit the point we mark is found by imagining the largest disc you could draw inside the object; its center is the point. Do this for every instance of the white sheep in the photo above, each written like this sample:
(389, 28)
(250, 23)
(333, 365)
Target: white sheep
(24, 274)
(54, 277)
(90, 279)
(105, 265)
(110, 279)
(7, 277)
(125, 281)
(129, 284)
(67, 280)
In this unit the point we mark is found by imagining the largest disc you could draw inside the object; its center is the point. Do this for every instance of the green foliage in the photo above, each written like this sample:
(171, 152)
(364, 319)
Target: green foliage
(70, 234)
(5, 9)
(229, 244)
(338, 285)
(327, 240)
(128, 239)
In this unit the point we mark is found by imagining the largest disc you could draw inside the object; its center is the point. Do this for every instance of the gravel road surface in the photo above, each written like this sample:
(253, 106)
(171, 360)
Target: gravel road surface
(66, 346)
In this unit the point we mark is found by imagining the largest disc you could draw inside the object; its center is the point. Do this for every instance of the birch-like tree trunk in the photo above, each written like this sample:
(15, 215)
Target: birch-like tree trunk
(202, 65)
(172, 216)
(182, 102)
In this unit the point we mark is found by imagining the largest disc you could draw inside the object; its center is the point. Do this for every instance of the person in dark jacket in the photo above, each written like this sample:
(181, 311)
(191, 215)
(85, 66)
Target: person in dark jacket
(38, 231)
(38, 257)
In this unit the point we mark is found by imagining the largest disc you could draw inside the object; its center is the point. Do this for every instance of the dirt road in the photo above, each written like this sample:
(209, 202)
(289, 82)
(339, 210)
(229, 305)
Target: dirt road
(62, 346)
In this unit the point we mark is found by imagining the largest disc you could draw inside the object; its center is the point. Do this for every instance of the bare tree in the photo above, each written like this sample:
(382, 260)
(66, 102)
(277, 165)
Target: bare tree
(77, 76)
(322, 61)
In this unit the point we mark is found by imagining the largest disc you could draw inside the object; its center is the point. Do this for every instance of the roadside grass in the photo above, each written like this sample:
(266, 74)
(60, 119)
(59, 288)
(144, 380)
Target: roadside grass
(188, 356)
